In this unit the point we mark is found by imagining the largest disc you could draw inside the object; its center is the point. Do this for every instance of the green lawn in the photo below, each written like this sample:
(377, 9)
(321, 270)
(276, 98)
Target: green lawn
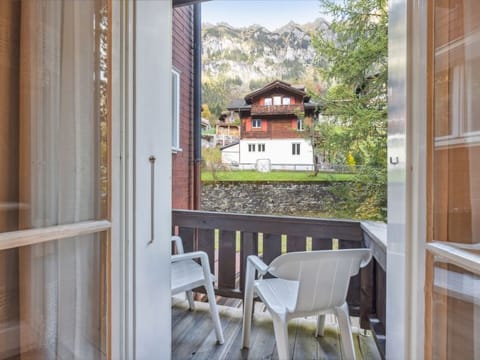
(251, 175)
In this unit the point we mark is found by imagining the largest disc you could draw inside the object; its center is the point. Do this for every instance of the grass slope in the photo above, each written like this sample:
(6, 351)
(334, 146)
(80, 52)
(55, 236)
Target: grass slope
(247, 175)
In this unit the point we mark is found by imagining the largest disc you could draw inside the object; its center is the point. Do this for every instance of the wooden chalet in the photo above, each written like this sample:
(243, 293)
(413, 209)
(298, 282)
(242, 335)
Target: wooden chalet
(274, 120)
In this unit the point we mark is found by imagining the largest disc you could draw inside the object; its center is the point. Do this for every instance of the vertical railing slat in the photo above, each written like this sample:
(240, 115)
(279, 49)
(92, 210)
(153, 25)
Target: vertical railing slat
(188, 238)
(321, 244)
(296, 243)
(367, 301)
(272, 247)
(226, 260)
(353, 295)
(381, 293)
(206, 242)
(249, 246)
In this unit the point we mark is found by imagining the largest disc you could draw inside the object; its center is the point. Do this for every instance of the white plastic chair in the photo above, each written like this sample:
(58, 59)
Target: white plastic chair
(306, 283)
(186, 274)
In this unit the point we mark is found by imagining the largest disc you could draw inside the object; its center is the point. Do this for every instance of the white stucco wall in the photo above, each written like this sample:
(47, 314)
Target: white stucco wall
(230, 155)
(279, 152)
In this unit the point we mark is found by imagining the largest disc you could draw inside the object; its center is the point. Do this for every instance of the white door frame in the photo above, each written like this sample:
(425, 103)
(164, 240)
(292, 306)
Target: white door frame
(121, 335)
(407, 157)
(152, 137)
(146, 327)
(141, 107)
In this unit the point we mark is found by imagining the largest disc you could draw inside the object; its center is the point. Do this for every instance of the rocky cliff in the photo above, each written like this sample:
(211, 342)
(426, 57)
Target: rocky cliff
(239, 60)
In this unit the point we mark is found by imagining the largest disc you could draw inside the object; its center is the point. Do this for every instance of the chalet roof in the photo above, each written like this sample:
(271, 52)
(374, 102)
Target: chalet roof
(274, 85)
(220, 123)
(312, 105)
(245, 104)
(229, 145)
(238, 104)
(299, 87)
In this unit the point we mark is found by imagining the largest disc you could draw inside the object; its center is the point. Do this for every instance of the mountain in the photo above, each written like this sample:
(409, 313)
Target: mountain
(238, 60)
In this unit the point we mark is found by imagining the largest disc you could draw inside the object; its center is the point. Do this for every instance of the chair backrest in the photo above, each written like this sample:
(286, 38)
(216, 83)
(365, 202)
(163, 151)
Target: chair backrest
(177, 240)
(323, 275)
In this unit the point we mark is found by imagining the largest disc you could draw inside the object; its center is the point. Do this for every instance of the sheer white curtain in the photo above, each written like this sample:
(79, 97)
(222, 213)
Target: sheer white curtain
(60, 282)
(9, 307)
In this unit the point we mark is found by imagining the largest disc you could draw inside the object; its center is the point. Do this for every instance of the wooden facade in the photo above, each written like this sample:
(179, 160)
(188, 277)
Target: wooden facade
(184, 182)
(277, 107)
(273, 121)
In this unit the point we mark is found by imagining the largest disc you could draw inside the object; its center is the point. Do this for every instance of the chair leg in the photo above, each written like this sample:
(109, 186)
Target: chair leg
(345, 331)
(247, 316)
(281, 337)
(191, 303)
(248, 305)
(320, 325)
(214, 312)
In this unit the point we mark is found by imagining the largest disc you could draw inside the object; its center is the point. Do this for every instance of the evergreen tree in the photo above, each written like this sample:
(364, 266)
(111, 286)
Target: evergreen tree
(354, 63)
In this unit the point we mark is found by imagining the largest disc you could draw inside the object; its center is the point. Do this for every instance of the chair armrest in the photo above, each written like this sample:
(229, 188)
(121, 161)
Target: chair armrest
(202, 255)
(259, 265)
(190, 256)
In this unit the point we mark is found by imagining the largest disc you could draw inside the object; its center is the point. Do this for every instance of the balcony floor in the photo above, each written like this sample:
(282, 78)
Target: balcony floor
(193, 336)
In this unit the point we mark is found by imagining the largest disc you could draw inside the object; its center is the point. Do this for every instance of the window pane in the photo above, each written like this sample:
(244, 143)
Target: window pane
(456, 122)
(277, 100)
(257, 123)
(58, 290)
(54, 118)
(295, 149)
(455, 313)
(300, 124)
(175, 109)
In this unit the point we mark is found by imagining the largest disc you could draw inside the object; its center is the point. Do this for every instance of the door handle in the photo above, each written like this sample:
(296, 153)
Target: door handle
(392, 161)
(152, 199)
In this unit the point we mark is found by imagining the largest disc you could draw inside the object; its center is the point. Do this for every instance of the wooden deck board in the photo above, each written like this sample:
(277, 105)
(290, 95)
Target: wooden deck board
(193, 336)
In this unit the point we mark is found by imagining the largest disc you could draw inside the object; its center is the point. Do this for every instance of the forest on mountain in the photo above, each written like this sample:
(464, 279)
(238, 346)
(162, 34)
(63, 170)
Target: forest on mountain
(236, 61)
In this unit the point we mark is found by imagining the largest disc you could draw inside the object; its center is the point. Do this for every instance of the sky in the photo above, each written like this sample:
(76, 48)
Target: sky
(271, 14)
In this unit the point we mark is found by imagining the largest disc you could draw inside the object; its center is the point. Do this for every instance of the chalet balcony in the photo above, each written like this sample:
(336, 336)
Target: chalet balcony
(229, 238)
(276, 109)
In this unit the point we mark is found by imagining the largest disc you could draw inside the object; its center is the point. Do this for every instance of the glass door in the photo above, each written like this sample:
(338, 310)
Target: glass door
(453, 262)
(54, 179)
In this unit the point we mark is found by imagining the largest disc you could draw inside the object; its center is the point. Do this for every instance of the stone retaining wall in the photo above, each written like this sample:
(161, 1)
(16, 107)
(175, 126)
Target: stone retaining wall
(274, 198)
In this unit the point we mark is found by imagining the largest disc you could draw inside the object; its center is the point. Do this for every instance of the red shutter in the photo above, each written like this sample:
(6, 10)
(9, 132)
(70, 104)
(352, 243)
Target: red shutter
(264, 125)
(248, 125)
(294, 124)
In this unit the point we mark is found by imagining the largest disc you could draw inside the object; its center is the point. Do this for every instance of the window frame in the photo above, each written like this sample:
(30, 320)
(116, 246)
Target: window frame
(256, 123)
(101, 225)
(300, 125)
(296, 149)
(176, 85)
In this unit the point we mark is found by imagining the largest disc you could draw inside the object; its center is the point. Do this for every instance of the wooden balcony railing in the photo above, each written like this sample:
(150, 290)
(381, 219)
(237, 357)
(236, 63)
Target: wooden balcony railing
(229, 238)
(276, 109)
(375, 274)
